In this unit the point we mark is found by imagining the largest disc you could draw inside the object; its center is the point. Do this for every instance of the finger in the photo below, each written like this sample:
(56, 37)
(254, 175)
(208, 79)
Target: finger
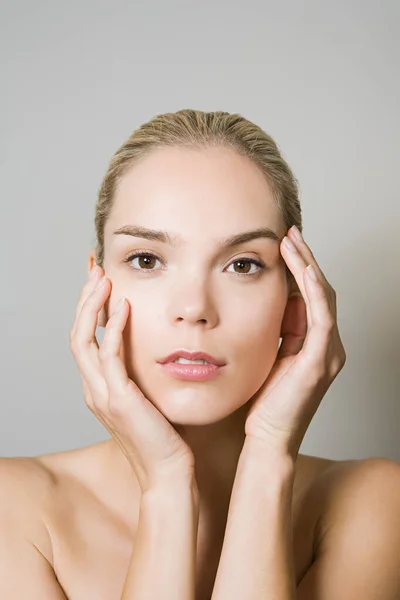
(126, 400)
(301, 245)
(296, 264)
(321, 334)
(87, 394)
(84, 343)
(320, 315)
(293, 328)
(87, 289)
(121, 388)
(109, 354)
(297, 238)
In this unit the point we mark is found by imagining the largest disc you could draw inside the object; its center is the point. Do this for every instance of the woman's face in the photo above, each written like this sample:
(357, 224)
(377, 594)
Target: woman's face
(196, 294)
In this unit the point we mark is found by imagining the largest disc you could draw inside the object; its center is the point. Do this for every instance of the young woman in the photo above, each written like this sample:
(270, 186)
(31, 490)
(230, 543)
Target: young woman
(201, 492)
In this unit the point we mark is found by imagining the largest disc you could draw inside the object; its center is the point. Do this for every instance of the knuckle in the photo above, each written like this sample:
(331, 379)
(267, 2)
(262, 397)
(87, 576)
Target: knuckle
(77, 343)
(99, 407)
(88, 397)
(329, 324)
(116, 406)
(342, 358)
(73, 346)
(316, 372)
(89, 402)
(336, 367)
(338, 362)
(99, 402)
(72, 334)
(104, 353)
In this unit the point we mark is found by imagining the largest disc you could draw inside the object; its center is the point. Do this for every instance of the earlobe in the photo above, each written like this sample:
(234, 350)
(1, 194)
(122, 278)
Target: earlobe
(294, 289)
(101, 318)
(91, 260)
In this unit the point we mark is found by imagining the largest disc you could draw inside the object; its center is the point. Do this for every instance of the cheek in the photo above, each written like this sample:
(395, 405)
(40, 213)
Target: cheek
(142, 337)
(255, 341)
(257, 337)
(256, 322)
(143, 321)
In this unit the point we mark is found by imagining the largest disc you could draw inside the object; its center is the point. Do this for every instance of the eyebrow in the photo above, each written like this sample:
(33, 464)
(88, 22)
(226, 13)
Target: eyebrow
(174, 240)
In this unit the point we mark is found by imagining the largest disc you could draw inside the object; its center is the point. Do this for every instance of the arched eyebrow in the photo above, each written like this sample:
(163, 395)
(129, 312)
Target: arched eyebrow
(174, 240)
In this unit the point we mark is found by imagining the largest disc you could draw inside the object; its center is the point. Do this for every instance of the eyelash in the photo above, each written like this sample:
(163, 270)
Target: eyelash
(258, 263)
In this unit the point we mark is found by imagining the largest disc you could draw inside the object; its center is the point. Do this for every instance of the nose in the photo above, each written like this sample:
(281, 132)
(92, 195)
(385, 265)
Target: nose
(193, 303)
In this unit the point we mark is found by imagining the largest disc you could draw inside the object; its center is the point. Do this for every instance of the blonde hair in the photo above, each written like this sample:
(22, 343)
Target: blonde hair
(197, 129)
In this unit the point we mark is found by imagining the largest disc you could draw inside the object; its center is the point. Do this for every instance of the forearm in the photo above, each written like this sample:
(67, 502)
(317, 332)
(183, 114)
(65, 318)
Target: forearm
(256, 561)
(163, 561)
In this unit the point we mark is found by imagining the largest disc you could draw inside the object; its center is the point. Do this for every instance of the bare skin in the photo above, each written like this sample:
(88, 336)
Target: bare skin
(90, 515)
(81, 517)
(80, 514)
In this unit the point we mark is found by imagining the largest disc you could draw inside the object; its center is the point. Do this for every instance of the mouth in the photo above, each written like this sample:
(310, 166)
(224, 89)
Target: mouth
(199, 358)
(192, 370)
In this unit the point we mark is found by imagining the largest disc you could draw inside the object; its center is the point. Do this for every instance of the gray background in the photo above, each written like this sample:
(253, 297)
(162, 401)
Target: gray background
(77, 78)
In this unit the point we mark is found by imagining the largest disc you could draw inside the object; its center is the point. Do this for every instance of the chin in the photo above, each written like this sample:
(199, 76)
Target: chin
(193, 405)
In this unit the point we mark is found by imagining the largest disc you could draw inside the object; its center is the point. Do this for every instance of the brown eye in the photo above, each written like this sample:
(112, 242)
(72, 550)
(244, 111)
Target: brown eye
(145, 261)
(244, 265)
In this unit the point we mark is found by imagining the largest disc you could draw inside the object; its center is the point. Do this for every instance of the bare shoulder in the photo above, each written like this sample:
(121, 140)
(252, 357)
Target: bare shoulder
(25, 493)
(358, 486)
(308, 470)
(25, 546)
(357, 533)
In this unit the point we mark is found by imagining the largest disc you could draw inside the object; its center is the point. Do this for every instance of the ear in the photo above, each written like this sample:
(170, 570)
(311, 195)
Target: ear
(291, 305)
(101, 319)
(292, 287)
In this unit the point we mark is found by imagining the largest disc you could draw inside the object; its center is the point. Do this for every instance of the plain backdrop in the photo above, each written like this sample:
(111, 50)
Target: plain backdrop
(78, 77)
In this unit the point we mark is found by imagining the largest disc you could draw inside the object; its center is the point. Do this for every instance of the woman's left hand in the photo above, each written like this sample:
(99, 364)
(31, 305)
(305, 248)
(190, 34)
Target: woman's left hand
(310, 357)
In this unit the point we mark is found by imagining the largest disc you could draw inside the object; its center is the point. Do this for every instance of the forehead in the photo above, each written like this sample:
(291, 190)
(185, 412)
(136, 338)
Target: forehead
(195, 192)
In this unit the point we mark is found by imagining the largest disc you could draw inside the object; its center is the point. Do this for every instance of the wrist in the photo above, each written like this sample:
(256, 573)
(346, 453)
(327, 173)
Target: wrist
(267, 457)
(177, 489)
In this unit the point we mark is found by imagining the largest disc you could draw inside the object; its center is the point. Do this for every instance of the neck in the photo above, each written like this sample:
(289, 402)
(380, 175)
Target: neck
(216, 449)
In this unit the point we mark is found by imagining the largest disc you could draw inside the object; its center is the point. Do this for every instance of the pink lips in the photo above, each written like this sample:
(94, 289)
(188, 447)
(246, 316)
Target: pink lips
(192, 372)
(193, 356)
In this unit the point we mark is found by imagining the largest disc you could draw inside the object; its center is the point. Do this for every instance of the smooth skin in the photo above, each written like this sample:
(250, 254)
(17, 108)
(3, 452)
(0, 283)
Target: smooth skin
(150, 443)
(162, 461)
(196, 302)
(256, 559)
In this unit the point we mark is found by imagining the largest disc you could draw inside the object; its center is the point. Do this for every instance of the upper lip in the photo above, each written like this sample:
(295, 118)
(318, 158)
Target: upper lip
(192, 356)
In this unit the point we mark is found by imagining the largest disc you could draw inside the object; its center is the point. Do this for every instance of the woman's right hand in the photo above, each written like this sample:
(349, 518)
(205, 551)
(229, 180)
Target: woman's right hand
(151, 444)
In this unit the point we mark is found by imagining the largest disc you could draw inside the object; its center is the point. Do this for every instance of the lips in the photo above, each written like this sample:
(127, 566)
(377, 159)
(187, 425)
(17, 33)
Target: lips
(192, 356)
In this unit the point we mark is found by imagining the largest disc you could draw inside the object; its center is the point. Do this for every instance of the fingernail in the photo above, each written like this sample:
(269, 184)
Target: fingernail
(120, 304)
(297, 233)
(100, 282)
(289, 244)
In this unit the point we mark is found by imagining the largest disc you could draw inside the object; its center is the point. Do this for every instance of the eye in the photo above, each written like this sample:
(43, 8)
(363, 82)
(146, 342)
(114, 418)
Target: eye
(249, 262)
(146, 262)
(147, 258)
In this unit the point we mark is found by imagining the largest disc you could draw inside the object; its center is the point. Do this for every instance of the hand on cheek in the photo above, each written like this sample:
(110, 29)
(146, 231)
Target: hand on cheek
(309, 358)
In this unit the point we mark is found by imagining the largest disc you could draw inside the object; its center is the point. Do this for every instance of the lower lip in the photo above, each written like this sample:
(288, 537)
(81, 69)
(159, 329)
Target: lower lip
(192, 372)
